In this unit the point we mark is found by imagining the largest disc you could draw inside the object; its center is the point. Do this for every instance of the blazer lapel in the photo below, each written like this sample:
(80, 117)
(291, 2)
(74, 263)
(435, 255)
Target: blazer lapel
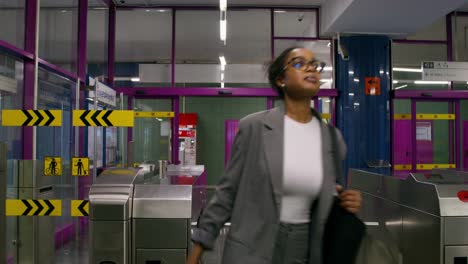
(273, 145)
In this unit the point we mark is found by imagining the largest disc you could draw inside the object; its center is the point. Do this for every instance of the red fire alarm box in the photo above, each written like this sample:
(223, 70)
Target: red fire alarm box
(372, 85)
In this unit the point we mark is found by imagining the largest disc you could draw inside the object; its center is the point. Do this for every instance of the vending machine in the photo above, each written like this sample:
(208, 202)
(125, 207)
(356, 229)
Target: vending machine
(188, 138)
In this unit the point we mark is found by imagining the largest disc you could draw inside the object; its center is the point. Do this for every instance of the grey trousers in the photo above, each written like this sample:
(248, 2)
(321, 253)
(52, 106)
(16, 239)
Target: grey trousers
(292, 244)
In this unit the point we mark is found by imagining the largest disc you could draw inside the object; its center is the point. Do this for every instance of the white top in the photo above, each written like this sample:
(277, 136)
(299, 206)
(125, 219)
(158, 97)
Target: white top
(302, 169)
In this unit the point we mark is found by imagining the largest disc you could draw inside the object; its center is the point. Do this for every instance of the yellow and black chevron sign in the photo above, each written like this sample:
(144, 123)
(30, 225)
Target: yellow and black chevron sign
(121, 118)
(33, 207)
(79, 208)
(31, 117)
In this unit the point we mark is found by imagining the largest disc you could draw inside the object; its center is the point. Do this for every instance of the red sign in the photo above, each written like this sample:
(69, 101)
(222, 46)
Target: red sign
(372, 85)
(189, 120)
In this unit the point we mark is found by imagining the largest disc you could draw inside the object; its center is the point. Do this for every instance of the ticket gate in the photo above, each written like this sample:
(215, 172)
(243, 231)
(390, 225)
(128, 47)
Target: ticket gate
(139, 217)
(420, 219)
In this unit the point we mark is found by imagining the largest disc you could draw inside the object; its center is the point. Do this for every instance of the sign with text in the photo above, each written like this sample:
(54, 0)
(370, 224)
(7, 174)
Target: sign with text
(104, 94)
(444, 71)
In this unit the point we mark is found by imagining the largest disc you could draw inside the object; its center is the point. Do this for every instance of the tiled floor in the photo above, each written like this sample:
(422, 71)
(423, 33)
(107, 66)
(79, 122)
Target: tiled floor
(74, 252)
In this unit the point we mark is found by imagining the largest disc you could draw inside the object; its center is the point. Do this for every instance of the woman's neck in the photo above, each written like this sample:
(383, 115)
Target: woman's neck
(298, 110)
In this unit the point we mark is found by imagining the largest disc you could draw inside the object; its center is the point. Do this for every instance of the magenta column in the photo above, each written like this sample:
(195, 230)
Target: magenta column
(29, 73)
(111, 45)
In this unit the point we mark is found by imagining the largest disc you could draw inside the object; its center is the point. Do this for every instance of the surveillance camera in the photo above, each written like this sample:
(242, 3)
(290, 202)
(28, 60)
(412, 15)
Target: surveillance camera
(343, 51)
(300, 17)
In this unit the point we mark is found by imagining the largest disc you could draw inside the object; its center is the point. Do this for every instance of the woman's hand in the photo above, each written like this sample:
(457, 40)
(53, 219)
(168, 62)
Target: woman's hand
(351, 200)
(195, 254)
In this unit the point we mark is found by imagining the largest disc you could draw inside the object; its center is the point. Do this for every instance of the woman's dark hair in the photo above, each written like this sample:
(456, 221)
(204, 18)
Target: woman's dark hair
(275, 70)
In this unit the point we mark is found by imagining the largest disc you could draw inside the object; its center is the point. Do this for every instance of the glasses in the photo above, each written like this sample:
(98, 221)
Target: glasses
(302, 65)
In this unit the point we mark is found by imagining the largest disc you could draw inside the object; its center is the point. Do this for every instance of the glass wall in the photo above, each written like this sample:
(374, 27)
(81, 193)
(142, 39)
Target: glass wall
(97, 42)
(58, 31)
(95, 134)
(407, 56)
(151, 136)
(460, 45)
(12, 21)
(55, 92)
(143, 56)
(11, 97)
(199, 48)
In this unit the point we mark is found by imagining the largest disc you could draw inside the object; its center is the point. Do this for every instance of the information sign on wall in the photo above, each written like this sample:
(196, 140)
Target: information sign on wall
(444, 71)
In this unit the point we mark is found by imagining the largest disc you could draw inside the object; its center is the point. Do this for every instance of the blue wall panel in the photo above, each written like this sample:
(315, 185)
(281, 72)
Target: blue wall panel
(364, 120)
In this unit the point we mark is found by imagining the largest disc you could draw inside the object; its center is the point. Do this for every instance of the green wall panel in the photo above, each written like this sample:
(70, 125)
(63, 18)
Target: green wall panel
(212, 112)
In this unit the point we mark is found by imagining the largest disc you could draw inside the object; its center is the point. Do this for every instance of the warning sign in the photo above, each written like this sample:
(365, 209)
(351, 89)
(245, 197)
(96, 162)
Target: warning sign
(80, 166)
(79, 208)
(33, 208)
(372, 85)
(53, 166)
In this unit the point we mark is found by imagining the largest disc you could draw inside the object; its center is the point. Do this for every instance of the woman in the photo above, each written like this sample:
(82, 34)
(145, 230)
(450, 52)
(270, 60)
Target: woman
(278, 187)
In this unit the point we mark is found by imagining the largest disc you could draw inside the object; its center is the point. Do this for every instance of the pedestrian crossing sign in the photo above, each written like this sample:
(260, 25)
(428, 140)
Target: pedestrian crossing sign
(80, 166)
(53, 166)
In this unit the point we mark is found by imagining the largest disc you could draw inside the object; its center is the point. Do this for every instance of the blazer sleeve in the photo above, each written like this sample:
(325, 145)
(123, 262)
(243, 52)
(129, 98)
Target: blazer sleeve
(219, 209)
(341, 151)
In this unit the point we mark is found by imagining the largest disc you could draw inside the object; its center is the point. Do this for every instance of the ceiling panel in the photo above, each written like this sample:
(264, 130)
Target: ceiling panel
(216, 2)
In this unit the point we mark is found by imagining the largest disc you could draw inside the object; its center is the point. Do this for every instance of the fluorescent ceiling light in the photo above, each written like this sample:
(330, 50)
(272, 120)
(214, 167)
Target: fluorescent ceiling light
(399, 87)
(135, 79)
(327, 101)
(329, 44)
(222, 5)
(381, 72)
(222, 84)
(431, 82)
(351, 94)
(371, 223)
(356, 80)
(395, 81)
(328, 68)
(326, 80)
(280, 11)
(406, 69)
(222, 77)
(222, 30)
(222, 60)
(351, 72)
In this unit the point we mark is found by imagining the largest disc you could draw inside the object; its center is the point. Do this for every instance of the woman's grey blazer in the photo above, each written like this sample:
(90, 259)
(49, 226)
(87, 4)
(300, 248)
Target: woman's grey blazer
(249, 193)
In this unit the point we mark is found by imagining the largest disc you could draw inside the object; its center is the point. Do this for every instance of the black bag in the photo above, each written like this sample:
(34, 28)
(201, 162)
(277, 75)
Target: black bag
(344, 231)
